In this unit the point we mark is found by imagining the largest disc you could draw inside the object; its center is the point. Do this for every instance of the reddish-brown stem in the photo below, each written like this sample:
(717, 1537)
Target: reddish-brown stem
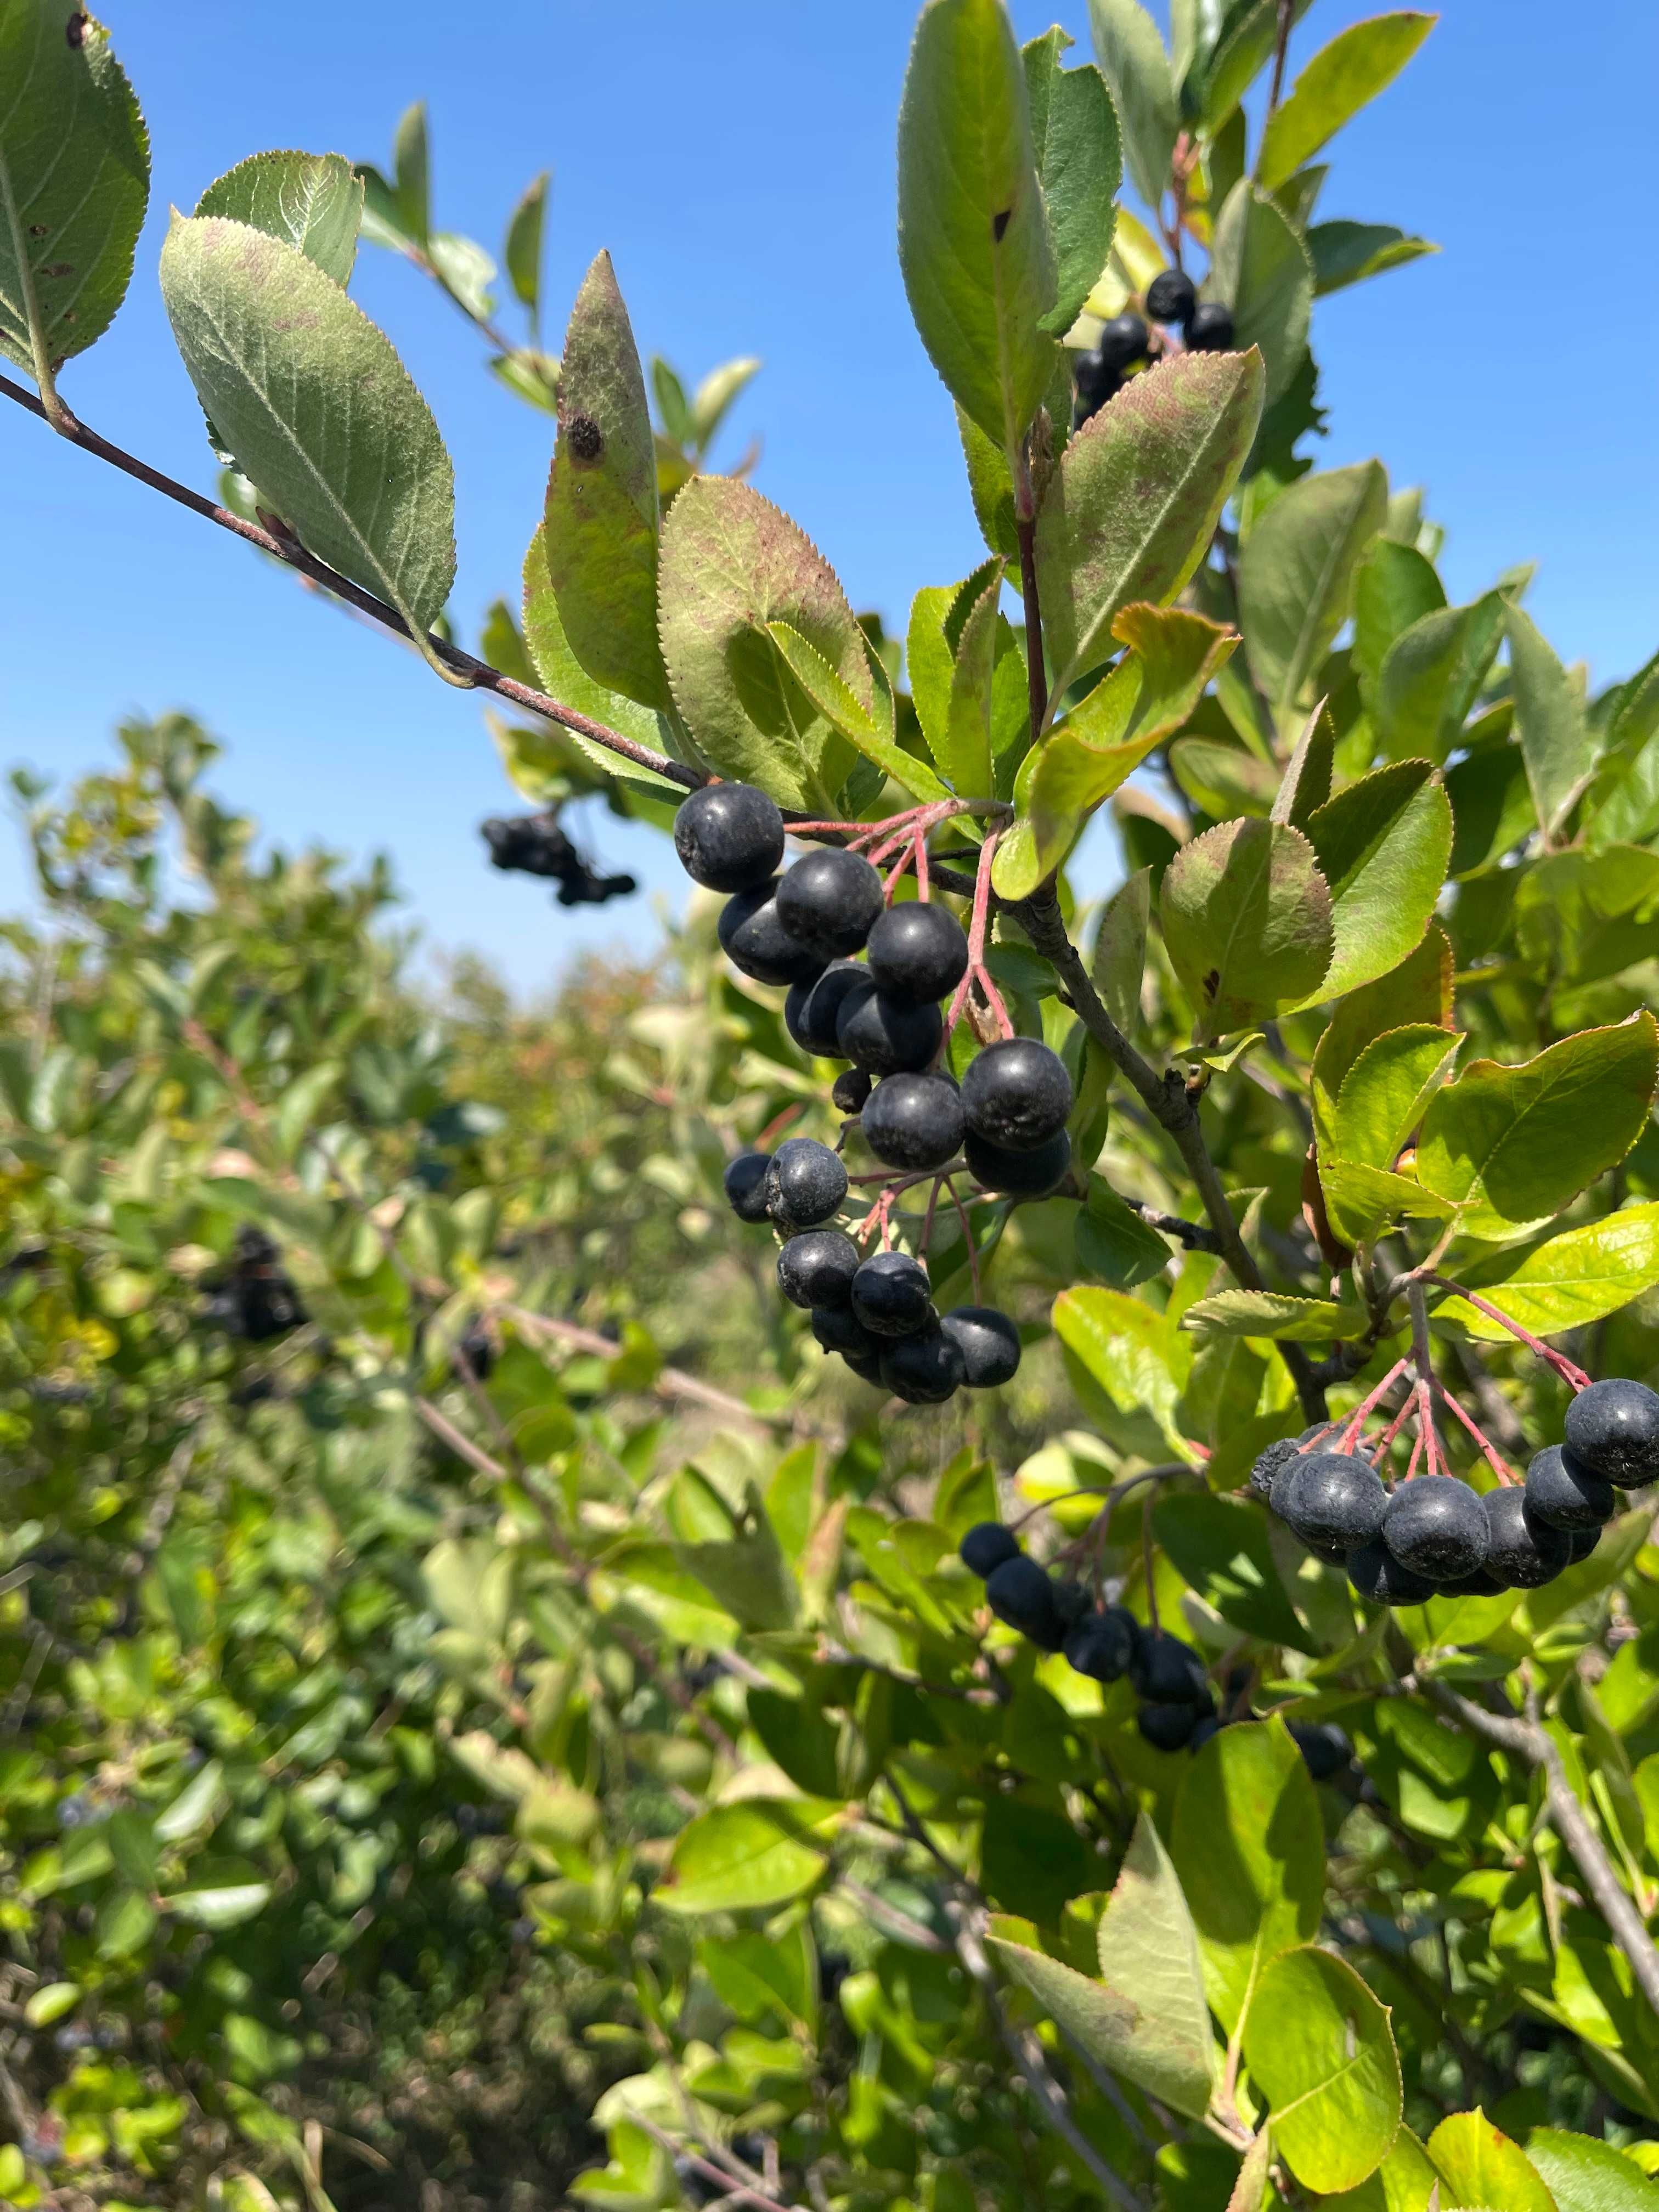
(966, 1236)
(1500, 1467)
(1398, 1423)
(1368, 1406)
(924, 886)
(1417, 1452)
(1568, 1369)
(978, 928)
(1428, 1435)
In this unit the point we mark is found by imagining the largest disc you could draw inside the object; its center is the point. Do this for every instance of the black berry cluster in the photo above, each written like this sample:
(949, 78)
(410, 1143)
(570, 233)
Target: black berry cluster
(1177, 1707)
(1433, 1534)
(535, 845)
(1003, 1125)
(254, 1299)
(1125, 343)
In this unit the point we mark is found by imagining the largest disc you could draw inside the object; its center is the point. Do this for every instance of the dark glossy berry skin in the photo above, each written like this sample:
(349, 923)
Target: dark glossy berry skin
(1168, 1671)
(1482, 1583)
(891, 1295)
(1206, 1725)
(1097, 381)
(1583, 1542)
(852, 1091)
(1018, 1174)
(917, 950)
(1168, 1728)
(1436, 1525)
(1019, 1593)
(1325, 1749)
(1171, 297)
(914, 1121)
(806, 1184)
(1564, 1492)
(754, 938)
(838, 1329)
(1523, 1551)
(811, 1010)
(1614, 1429)
(829, 900)
(1102, 1645)
(1377, 1575)
(817, 1268)
(887, 1037)
(1121, 341)
(1334, 1502)
(1017, 1094)
(745, 1185)
(1211, 329)
(1072, 1600)
(865, 1366)
(729, 836)
(989, 1343)
(924, 1370)
(986, 1546)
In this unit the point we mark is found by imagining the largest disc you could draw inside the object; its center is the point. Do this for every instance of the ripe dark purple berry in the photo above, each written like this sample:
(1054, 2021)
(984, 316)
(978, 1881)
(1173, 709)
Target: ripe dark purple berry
(917, 950)
(805, 1184)
(914, 1121)
(1102, 1645)
(1269, 1466)
(1019, 1593)
(1334, 1502)
(986, 1546)
(817, 1268)
(924, 1369)
(1096, 382)
(1325, 1749)
(1436, 1525)
(1613, 1428)
(891, 1295)
(989, 1343)
(1121, 341)
(887, 1037)
(1564, 1492)
(1211, 329)
(866, 1365)
(1583, 1542)
(1018, 1174)
(838, 1329)
(1522, 1551)
(1166, 1727)
(1167, 1671)
(745, 1185)
(754, 938)
(729, 836)
(1017, 1094)
(1171, 297)
(852, 1091)
(811, 1010)
(1377, 1575)
(830, 900)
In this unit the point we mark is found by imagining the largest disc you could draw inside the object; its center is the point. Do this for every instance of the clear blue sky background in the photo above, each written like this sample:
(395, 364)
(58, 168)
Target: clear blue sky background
(738, 159)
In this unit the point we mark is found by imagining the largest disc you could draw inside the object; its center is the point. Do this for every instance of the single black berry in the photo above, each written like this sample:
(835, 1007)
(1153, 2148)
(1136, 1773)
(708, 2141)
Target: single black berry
(745, 1185)
(1325, 1749)
(1211, 329)
(837, 1329)
(817, 1268)
(1167, 1671)
(754, 938)
(1333, 1501)
(1121, 341)
(1098, 381)
(887, 1037)
(917, 950)
(891, 1295)
(1072, 1599)
(729, 836)
(1562, 1491)
(1019, 1593)
(812, 1009)
(914, 1121)
(852, 1091)
(1583, 1542)
(1613, 1428)
(1171, 297)
(1377, 1575)
(829, 900)
(1483, 1583)
(1269, 1466)
(1166, 1727)
(1018, 1174)
(1436, 1525)
(1017, 1094)
(986, 1546)
(1102, 1645)
(866, 1365)
(989, 1342)
(805, 1184)
(924, 1369)
(1522, 1551)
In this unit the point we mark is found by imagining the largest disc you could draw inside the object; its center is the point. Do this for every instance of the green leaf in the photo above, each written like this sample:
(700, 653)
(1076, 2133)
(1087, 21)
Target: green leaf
(1119, 961)
(601, 532)
(1363, 1202)
(1584, 2174)
(1272, 1313)
(1572, 1280)
(50, 2001)
(716, 395)
(1345, 253)
(523, 252)
(1133, 62)
(1296, 575)
(1492, 806)
(1145, 2019)
(1114, 1244)
(1247, 922)
(1418, 990)
(731, 564)
(1385, 1093)
(840, 707)
(748, 1573)
(1121, 1344)
(1223, 780)
(1222, 1549)
(73, 180)
(1478, 2165)
(1383, 844)
(1320, 2049)
(1306, 784)
(412, 169)
(312, 201)
(991, 487)
(1512, 1145)
(759, 1852)
(1342, 77)
(965, 757)
(1550, 723)
(974, 243)
(317, 408)
(1250, 2190)
(672, 404)
(939, 615)
(1259, 268)
(219, 1894)
(1405, 2182)
(1131, 511)
(1079, 162)
(1248, 1844)
(1242, 48)
(1430, 676)
(1581, 915)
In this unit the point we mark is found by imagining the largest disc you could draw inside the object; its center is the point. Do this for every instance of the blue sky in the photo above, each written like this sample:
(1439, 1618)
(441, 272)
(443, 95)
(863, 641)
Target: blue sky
(738, 160)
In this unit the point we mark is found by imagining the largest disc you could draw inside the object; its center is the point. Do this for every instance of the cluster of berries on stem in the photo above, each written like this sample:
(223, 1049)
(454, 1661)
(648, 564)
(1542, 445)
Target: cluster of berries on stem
(1127, 343)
